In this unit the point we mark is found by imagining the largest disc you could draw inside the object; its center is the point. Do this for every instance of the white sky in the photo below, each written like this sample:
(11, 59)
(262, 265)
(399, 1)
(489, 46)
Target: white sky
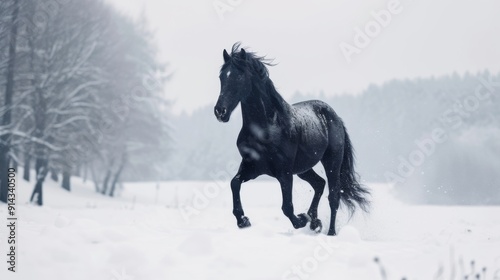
(426, 38)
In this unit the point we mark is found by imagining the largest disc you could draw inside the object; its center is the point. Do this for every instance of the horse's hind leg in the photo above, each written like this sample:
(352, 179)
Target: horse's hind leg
(331, 162)
(318, 184)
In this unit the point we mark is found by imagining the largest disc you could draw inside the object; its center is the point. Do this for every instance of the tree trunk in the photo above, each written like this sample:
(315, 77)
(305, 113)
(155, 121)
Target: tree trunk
(27, 161)
(9, 90)
(94, 178)
(41, 173)
(117, 175)
(41, 163)
(104, 189)
(53, 175)
(66, 179)
(4, 163)
(38, 192)
(14, 163)
(84, 171)
(76, 170)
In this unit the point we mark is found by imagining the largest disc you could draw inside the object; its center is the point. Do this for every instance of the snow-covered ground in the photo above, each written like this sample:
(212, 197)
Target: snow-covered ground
(185, 230)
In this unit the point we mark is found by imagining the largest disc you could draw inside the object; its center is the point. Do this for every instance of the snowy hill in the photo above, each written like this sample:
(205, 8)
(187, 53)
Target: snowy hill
(185, 230)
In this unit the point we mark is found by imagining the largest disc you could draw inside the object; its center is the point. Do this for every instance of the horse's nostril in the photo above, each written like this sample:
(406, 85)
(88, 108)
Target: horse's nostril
(217, 111)
(224, 111)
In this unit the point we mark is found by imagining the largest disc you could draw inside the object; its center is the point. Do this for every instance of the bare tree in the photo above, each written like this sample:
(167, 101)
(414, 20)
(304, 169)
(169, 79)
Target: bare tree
(9, 91)
(87, 82)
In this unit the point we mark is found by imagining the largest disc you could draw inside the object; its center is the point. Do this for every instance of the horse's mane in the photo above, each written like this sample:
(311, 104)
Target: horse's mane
(257, 65)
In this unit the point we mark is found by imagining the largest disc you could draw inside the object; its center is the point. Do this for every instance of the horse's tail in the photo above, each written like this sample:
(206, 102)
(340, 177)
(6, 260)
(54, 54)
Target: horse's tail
(351, 190)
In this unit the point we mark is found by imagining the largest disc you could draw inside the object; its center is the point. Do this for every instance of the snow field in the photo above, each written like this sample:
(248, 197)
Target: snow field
(145, 233)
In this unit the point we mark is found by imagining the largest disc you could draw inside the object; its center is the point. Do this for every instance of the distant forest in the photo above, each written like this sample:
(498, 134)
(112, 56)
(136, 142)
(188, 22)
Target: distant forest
(436, 139)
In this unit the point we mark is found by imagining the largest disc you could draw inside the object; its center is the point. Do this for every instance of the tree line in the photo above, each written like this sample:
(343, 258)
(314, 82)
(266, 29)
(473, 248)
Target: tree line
(391, 127)
(81, 93)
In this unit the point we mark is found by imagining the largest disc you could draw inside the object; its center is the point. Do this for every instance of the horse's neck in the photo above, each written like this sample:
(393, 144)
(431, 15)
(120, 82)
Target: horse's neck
(264, 108)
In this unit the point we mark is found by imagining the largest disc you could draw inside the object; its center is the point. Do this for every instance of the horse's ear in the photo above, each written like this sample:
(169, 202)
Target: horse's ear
(243, 54)
(226, 56)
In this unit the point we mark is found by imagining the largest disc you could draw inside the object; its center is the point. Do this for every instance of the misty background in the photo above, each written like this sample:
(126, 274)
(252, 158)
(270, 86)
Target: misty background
(117, 91)
(392, 128)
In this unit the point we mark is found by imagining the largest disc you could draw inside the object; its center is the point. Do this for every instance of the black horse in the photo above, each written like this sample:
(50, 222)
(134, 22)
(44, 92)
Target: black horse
(280, 140)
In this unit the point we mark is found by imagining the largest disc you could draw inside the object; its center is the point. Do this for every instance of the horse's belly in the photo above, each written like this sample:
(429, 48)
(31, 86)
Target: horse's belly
(308, 156)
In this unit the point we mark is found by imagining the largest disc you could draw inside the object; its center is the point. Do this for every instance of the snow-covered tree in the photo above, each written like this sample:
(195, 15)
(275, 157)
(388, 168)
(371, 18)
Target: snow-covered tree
(88, 93)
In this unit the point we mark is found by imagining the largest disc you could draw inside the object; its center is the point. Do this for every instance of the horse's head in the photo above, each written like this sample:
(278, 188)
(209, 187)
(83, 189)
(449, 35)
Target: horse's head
(235, 81)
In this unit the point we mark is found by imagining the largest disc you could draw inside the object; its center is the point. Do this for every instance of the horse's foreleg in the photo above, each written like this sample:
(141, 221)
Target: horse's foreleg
(287, 206)
(241, 220)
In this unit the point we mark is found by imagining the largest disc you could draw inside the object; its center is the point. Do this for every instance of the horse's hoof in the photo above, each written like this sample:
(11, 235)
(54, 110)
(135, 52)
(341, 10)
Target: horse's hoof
(303, 220)
(331, 233)
(245, 222)
(316, 225)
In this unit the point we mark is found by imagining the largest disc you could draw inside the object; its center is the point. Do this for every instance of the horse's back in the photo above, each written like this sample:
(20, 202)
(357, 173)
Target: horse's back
(316, 111)
(317, 105)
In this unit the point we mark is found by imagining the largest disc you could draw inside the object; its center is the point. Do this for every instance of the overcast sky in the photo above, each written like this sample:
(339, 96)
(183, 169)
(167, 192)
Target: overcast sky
(423, 38)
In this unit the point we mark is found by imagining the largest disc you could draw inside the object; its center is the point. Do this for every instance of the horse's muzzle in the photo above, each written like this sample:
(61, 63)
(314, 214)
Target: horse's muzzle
(221, 113)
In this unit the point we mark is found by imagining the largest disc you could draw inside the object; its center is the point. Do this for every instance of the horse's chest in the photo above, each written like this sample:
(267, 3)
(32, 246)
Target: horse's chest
(262, 144)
